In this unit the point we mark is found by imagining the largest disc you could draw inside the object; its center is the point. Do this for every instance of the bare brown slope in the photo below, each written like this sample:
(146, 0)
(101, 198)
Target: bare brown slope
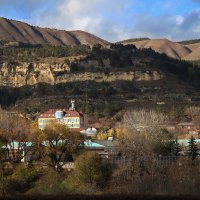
(194, 55)
(193, 47)
(15, 31)
(172, 49)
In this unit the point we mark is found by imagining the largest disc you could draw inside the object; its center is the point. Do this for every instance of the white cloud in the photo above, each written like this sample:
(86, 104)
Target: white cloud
(169, 26)
(179, 19)
(112, 20)
(98, 17)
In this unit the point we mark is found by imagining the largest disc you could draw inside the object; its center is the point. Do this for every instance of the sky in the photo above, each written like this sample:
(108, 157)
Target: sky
(112, 20)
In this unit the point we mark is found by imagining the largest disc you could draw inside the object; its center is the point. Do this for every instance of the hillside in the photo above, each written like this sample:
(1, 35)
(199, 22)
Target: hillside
(16, 31)
(39, 70)
(109, 79)
(194, 55)
(172, 49)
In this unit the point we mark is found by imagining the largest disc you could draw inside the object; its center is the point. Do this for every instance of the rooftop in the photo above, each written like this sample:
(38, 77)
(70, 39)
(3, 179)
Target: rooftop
(67, 113)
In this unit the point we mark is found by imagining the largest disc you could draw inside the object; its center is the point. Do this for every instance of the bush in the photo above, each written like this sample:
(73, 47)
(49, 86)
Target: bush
(48, 184)
(22, 178)
(90, 169)
(90, 175)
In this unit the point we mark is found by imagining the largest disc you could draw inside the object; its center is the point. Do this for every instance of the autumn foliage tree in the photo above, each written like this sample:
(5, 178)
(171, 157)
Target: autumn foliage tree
(59, 145)
(15, 134)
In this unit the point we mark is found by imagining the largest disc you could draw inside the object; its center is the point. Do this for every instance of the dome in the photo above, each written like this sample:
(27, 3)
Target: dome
(59, 114)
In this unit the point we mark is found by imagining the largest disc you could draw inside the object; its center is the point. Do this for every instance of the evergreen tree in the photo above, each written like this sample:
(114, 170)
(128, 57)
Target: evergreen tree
(176, 148)
(193, 148)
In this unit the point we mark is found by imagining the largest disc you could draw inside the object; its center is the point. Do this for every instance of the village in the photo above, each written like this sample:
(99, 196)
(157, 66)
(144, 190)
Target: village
(103, 141)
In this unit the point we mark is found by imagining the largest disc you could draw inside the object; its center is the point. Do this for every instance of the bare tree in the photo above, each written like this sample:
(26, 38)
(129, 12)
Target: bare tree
(143, 120)
(193, 112)
(15, 133)
(142, 130)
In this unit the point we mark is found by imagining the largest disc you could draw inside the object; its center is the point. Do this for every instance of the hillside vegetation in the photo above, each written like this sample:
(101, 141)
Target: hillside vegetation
(107, 78)
(185, 42)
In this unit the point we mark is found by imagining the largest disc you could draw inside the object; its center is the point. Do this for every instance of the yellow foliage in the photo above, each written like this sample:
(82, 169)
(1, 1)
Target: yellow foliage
(120, 133)
(115, 133)
(111, 132)
(102, 136)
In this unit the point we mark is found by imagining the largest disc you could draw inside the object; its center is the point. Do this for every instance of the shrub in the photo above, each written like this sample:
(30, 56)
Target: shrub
(90, 175)
(22, 178)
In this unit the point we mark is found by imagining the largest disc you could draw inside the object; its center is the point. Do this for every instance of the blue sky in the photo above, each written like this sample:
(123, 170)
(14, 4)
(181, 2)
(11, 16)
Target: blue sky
(112, 20)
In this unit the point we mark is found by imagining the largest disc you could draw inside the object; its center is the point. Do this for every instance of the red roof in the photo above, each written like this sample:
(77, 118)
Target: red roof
(67, 113)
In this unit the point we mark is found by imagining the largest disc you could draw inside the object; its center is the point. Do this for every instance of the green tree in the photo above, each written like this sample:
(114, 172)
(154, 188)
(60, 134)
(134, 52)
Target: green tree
(164, 148)
(176, 148)
(91, 170)
(22, 178)
(192, 148)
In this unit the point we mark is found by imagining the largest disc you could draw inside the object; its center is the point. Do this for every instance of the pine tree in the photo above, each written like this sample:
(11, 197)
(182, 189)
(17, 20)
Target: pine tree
(193, 148)
(176, 148)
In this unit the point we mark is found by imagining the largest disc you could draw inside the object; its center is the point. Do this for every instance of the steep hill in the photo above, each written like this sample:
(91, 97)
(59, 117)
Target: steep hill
(16, 31)
(109, 78)
(172, 49)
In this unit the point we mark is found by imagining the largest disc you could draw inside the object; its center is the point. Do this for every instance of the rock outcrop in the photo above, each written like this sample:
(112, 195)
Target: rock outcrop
(33, 73)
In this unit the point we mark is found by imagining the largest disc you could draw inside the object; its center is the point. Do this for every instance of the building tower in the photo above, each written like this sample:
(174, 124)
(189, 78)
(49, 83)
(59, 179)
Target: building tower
(72, 108)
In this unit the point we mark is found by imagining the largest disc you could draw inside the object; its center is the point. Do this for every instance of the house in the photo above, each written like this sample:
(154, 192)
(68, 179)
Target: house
(90, 132)
(95, 146)
(70, 117)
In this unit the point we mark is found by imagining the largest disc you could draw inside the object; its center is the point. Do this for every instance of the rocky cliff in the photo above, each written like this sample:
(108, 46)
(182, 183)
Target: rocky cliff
(33, 73)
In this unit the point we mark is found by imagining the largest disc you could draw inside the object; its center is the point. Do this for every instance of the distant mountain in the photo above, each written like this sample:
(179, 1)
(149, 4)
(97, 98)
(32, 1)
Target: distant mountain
(16, 31)
(172, 49)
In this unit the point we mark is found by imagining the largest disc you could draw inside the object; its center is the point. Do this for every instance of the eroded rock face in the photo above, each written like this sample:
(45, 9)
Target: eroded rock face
(33, 73)
(30, 73)
(112, 76)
